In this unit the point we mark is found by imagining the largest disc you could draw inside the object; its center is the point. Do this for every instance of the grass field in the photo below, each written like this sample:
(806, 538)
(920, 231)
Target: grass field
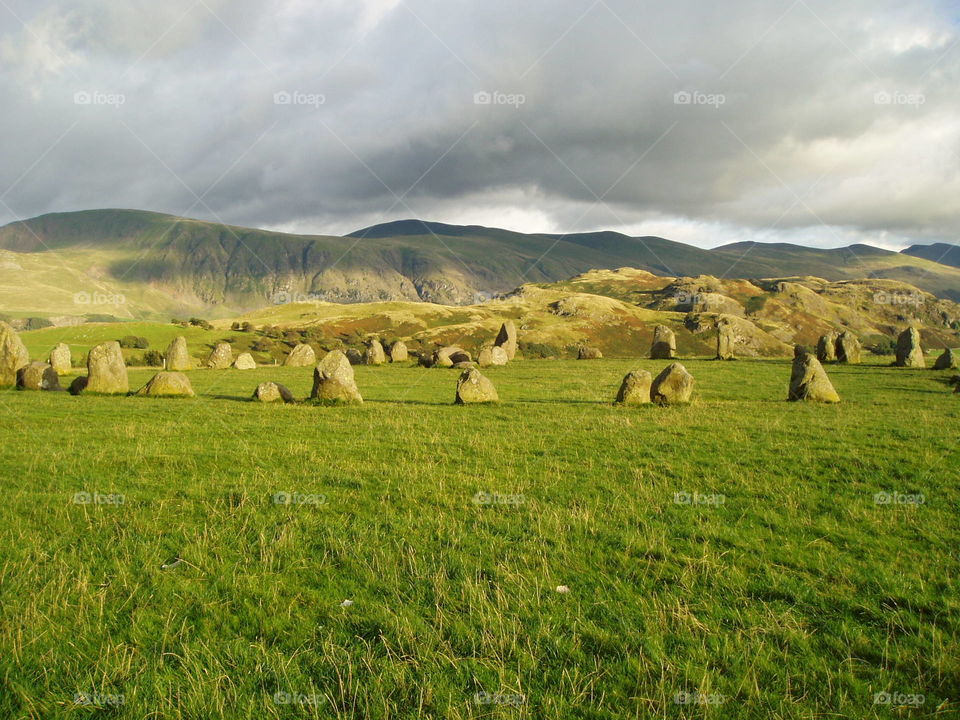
(782, 589)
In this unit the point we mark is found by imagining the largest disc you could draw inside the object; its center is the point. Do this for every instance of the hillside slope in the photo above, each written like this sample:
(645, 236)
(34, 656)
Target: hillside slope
(132, 264)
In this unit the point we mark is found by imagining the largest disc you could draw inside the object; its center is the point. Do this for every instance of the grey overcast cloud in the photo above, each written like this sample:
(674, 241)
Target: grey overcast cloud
(806, 121)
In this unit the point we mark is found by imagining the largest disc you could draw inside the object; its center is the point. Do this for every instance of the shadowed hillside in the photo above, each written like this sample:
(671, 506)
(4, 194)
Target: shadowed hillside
(156, 265)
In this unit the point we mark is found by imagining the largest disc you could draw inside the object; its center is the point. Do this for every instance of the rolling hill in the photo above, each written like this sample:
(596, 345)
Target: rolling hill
(130, 264)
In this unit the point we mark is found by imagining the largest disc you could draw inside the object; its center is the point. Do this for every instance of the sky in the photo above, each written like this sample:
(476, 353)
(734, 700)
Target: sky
(806, 121)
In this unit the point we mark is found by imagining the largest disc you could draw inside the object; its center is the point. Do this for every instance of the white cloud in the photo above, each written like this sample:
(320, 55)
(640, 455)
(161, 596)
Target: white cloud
(802, 145)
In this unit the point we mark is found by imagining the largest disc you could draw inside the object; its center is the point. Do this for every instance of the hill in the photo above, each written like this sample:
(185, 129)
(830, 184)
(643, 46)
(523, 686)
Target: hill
(129, 264)
(937, 252)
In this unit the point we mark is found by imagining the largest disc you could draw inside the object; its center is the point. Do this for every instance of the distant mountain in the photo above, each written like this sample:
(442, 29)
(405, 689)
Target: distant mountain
(161, 265)
(938, 252)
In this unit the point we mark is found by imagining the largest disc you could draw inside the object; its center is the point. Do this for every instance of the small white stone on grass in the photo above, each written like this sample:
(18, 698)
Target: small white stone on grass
(562, 589)
(346, 603)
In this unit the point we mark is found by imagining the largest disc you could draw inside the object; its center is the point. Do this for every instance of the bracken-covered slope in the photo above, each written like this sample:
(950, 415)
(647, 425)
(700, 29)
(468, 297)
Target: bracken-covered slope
(617, 311)
(134, 264)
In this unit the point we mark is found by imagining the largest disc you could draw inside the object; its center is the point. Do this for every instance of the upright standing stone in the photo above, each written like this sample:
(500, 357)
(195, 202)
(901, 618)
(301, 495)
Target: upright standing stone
(106, 371)
(909, 352)
(494, 355)
(673, 386)
(167, 384)
(333, 381)
(444, 356)
(507, 339)
(177, 357)
(726, 341)
(245, 361)
(301, 356)
(827, 347)
(473, 387)
(221, 357)
(375, 354)
(13, 355)
(664, 345)
(60, 359)
(589, 353)
(268, 392)
(848, 348)
(38, 376)
(635, 388)
(354, 356)
(399, 352)
(946, 361)
(809, 381)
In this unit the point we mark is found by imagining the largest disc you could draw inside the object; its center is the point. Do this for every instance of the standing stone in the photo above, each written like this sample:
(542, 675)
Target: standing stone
(909, 352)
(60, 359)
(398, 352)
(106, 371)
(221, 357)
(301, 356)
(375, 354)
(13, 355)
(495, 355)
(947, 361)
(177, 358)
(848, 348)
(472, 387)
(268, 392)
(507, 339)
(664, 345)
(244, 361)
(673, 386)
(589, 353)
(635, 388)
(38, 376)
(827, 347)
(726, 341)
(333, 381)
(809, 381)
(354, 356)
(167, 384)
(444, 356)
(426, 359)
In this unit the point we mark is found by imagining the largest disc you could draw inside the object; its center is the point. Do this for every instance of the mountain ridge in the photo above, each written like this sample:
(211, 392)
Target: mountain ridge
(165, 264)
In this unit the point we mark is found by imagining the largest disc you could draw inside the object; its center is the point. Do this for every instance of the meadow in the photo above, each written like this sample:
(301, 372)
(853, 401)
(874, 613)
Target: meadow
(551, 556)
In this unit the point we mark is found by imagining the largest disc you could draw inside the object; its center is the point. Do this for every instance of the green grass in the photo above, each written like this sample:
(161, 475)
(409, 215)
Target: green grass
(797, 597)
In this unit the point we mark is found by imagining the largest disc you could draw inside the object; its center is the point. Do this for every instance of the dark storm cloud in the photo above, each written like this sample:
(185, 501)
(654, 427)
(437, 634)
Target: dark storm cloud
(746, 119)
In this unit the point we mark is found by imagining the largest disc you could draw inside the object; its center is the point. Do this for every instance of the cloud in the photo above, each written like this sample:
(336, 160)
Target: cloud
(804, 120)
